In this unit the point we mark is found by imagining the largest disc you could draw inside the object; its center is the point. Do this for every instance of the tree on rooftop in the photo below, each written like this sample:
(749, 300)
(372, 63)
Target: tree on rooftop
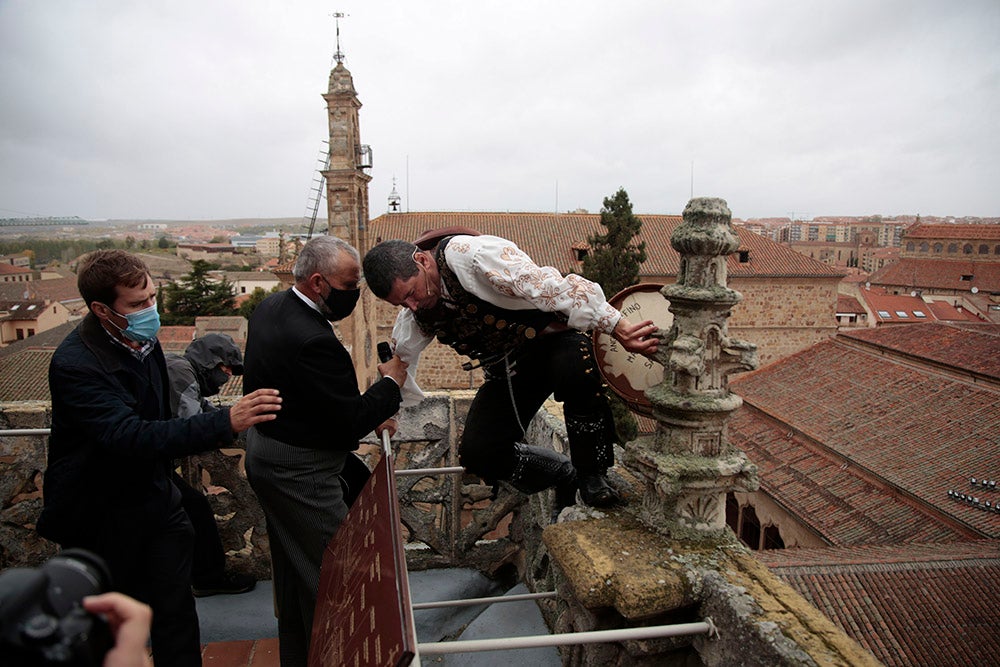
(613, 262)
(197, 295)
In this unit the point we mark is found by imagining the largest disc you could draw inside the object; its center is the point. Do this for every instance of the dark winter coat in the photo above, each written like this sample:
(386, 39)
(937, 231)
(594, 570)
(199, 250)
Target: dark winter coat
(112, 438)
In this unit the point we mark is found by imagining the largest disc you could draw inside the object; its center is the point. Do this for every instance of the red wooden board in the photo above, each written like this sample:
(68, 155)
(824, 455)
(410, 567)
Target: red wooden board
(363, 613)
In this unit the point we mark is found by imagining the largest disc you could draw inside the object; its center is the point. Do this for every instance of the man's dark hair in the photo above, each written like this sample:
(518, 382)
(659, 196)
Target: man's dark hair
(386, 262)
(101, 272)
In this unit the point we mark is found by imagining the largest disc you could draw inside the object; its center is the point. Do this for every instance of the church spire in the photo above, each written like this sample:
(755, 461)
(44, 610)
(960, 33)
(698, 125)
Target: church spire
(346, 180)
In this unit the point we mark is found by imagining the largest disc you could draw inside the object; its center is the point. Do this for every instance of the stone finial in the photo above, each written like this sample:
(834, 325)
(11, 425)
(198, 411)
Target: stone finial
(688, 464)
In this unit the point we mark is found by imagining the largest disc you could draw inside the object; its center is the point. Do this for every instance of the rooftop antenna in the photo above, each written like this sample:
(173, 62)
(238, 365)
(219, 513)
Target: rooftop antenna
(338, 55)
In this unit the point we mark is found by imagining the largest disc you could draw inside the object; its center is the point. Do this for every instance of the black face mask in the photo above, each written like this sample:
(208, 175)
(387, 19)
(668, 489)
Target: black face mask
(340, 302)
(210, 380)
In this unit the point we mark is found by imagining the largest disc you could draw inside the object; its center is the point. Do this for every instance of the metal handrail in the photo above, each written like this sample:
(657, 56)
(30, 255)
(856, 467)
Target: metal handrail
(472, 602)
(706, 627)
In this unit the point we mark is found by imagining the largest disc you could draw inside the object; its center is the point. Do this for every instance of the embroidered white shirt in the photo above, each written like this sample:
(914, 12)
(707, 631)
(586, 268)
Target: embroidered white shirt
(496, 270)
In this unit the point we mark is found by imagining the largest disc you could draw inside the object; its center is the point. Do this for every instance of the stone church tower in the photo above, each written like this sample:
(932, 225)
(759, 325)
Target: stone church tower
(347, 207)
(346, 181)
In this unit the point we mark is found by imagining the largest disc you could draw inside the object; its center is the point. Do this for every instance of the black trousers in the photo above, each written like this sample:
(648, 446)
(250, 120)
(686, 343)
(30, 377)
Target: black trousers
(209, 564)
(562, 364)
(150, 560)
(302, 496)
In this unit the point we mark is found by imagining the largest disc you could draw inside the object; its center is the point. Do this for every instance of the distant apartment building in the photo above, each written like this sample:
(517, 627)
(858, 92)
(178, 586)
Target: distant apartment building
(22, 319)
(20, 259)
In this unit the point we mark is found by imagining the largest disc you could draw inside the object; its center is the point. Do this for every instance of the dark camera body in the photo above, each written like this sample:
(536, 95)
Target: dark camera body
(42, 621)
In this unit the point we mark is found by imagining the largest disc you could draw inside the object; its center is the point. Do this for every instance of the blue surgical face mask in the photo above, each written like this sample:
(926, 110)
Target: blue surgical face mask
(143, 325)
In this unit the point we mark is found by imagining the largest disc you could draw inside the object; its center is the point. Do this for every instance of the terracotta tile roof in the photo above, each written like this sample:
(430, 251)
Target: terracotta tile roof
(911, 427)
(911, 605)
(975, 349)
(24, 375)
(926, 231)
(848, 304)
(550, 239)
(21, 309)
(176, 338)
(941, 274)
(11, 270)
(945, 311)
(57, 289)
(896, 308)
(838, 503)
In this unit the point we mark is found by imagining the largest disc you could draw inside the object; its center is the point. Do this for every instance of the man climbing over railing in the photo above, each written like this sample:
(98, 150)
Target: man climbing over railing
(525, 325)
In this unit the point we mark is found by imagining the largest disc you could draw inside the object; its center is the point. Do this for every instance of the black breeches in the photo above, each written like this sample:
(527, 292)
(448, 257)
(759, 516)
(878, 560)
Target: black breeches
(561, 364)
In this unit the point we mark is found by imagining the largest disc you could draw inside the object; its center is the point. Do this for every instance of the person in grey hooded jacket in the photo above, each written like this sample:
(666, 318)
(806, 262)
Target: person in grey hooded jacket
(206, 366)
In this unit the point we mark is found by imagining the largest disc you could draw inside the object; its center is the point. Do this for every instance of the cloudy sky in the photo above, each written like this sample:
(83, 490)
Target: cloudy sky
(201, 109)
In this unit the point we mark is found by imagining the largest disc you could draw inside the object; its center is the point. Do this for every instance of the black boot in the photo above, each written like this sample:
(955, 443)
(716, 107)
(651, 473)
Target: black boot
(539, 468)
(596, 492)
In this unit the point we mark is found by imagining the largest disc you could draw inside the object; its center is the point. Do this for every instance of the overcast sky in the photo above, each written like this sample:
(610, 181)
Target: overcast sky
(199, 109)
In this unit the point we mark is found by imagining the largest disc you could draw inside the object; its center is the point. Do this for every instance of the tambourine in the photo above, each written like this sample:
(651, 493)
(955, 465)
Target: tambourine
(629, 375)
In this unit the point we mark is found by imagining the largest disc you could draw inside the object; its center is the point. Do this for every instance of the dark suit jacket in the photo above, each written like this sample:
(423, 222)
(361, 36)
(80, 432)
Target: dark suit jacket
(292, 348)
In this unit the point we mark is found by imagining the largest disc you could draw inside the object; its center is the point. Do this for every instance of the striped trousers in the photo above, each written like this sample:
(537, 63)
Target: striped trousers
(303, 502)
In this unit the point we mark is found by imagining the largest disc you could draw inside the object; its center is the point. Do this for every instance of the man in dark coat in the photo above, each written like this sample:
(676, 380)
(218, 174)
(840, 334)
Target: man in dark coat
(107, 485)
(294, 463)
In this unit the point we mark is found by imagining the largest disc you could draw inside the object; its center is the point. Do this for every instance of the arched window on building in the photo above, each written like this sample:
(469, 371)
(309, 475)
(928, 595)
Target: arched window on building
(733, 512)
(910, 246)
(750, 527)
(772, 538)
(953, 248)
(938, 247)
(967, 249)
(924, 247)
(984, 249)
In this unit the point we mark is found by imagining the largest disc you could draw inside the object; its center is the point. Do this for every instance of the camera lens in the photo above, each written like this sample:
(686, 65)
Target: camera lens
(74, 574)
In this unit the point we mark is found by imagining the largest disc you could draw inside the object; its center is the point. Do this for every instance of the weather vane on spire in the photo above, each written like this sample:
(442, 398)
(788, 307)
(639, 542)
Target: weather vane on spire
(338, 55)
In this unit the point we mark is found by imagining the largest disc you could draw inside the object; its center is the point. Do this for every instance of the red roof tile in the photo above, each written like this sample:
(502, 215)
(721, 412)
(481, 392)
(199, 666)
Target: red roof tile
(913, 427)
(945, 311)
(896, 308)
(941, 274)
(24, 375)
(838, 501)
(925, 231)
(976, 349)
(848, 304)
(909, 605)
(10, 270)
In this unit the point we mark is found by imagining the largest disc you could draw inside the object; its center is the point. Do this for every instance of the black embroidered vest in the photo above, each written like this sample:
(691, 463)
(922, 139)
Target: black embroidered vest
(476, 328)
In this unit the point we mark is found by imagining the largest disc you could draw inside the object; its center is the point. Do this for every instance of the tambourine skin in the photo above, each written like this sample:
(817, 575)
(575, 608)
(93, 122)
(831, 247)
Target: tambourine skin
(630, 375)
